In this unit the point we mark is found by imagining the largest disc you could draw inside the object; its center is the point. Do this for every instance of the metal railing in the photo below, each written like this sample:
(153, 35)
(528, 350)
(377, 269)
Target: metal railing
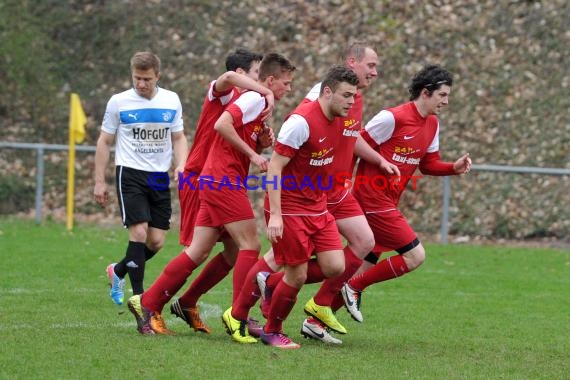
(444, 229)
(40, 150)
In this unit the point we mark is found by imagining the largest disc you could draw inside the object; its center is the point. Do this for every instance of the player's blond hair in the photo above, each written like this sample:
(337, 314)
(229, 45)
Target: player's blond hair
(145, 60)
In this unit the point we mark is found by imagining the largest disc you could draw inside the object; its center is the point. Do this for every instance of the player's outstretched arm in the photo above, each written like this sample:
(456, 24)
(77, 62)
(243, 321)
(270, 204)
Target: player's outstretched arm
(431, 164)
(463, 164)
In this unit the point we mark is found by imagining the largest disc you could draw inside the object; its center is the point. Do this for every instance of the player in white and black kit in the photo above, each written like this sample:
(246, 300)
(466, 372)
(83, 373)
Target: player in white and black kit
(146, 124)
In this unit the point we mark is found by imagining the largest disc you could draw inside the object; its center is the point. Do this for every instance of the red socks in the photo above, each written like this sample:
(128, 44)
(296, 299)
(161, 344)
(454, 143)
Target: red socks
(282, 302)
(387, 269)
(314, 275)
(331, 286)
(214, 272)
(246, 259)
(250, 292)
(337, 302)
(171, 279)
(314, 272)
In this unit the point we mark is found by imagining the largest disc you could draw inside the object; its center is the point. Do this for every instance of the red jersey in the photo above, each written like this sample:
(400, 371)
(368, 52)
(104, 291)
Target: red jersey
(403, 137)
(310, 140)
(228, 165)
(351, 125)
(213, 106)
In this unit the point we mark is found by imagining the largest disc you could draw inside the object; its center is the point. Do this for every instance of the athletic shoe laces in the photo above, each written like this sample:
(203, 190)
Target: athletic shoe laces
(284, 339)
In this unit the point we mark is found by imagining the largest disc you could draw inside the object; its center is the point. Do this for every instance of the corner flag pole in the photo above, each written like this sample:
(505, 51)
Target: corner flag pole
(77, 120)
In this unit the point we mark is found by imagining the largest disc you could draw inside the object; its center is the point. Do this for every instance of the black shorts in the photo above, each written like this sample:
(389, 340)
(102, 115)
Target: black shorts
(139, 202)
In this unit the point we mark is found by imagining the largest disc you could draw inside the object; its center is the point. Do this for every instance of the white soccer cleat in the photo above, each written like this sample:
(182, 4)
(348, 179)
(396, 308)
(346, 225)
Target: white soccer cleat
(266, 293)
(351, 299)
(313, 329)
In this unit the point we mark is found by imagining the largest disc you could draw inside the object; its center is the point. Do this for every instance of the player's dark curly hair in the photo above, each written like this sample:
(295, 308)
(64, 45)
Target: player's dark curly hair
(242, 59)
(431, 77)
(338, 74)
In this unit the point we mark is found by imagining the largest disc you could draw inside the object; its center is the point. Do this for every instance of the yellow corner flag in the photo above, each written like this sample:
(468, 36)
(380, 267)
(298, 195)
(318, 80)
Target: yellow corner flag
(77, 120)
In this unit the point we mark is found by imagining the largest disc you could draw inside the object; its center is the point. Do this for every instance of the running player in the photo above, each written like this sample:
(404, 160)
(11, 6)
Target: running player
(407, 136)
(298, 222)
(242, 74)
(241, 135)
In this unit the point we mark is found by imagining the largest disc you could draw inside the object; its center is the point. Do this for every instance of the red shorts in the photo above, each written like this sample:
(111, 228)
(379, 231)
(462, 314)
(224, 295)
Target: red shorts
(223, 206)
(189, 207)
(303, 236)
(346, 207)
(391, 230)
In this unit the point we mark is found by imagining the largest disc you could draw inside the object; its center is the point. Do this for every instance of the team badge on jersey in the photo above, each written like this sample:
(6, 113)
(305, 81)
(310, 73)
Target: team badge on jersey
(167, 116)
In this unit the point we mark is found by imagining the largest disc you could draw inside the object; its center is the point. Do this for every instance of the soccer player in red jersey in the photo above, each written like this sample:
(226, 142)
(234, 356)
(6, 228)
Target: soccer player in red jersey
(298, 221)
(242, 74)
(241, 134)
(407, 136)
(351, 222)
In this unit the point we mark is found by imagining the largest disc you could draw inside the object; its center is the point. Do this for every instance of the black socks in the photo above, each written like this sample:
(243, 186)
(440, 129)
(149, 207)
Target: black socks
(121, 266)
(135, 263)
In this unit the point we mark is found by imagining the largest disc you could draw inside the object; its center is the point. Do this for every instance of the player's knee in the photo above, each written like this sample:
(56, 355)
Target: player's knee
(337, 271)
(360, 238)
(415, 257)
(296, 280)
(250, 244)
(367, 245)
(138, 232)
(333, 270)
(198, 256)
(155, 244)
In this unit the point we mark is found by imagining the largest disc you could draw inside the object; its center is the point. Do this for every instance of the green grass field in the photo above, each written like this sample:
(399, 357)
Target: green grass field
(470, 312)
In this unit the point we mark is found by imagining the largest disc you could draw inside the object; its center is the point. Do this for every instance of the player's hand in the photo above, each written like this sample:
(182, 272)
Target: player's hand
(101, 194)
(389, 168)
(463, 164)
(178, 171)
(275, 228)
(268, 111)
(259, 161)
(266, 138)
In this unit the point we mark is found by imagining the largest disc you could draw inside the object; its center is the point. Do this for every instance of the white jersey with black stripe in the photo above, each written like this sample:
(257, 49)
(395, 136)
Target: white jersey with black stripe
(143, 128)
